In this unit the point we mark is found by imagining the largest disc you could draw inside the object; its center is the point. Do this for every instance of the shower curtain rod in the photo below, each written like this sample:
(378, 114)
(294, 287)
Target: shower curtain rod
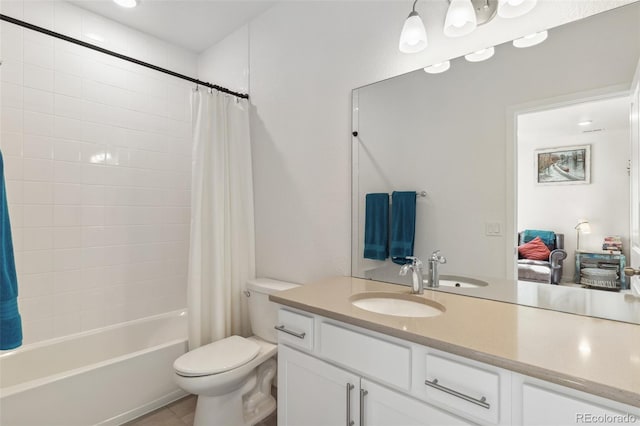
(119, 56)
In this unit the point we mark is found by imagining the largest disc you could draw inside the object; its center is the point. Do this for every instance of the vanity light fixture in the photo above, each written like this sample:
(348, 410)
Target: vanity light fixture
(126, 3)
(413, 38)
(531, 39)
(461, 18)
(480, 55)
(438, 68)
(515, 8)
(583, 227)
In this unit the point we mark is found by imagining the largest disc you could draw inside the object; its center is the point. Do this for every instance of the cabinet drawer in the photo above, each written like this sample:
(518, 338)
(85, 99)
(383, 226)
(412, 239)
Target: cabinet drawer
(463, 387)
(295, 329)
(370, 356)
(545, 406)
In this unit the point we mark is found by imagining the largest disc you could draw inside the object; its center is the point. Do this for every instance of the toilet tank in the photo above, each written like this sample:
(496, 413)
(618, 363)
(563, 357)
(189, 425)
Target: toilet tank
(263, 313)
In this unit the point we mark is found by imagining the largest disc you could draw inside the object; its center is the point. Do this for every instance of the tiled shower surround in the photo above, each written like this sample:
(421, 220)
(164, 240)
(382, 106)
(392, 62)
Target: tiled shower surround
(98, 167)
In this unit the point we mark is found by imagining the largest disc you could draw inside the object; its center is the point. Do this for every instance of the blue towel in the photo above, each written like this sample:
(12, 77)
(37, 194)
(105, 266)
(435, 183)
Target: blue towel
(10, 322)
(376, 226)
(403, 225)
(547, 237)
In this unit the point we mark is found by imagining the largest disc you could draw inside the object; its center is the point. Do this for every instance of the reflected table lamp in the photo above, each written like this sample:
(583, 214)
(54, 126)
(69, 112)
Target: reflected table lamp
(583, 227)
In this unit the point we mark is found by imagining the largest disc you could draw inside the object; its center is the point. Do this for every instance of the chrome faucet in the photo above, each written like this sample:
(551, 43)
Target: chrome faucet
(433, 279)
(415, 266)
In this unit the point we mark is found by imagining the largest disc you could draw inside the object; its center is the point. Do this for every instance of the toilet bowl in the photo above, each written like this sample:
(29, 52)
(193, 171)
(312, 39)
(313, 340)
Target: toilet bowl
(232, 377)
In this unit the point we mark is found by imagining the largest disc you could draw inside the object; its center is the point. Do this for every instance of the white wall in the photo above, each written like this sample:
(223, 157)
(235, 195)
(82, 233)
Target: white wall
(98, 159)
(604, 202)
(305, 58)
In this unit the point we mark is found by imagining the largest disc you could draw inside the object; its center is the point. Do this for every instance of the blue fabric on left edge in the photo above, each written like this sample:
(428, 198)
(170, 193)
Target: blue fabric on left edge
(376, 226)
(403, 225)
(10, 321)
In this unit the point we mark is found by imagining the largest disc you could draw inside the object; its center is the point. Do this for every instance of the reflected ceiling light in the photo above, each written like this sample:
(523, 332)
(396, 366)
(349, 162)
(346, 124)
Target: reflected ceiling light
(460, 19)
(531, 39)
(126, 3)
(438, 68)
(515, 8)
(585, 123)
(480, 55)
(413, 38)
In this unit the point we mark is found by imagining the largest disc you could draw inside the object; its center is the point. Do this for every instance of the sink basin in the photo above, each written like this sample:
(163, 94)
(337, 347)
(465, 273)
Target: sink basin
(397, 304)
(450, 281)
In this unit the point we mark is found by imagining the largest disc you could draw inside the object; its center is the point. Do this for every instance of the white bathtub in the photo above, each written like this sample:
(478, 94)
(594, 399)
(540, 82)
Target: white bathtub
(106, 376)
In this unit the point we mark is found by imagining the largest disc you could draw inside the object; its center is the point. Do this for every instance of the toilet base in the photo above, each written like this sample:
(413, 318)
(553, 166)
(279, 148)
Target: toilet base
(244, 407)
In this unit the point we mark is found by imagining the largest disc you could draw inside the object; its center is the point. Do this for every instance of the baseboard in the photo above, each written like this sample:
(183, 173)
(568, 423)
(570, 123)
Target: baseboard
(144, 409)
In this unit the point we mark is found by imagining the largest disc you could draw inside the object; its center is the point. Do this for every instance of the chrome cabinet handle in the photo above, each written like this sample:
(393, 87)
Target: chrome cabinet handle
(481, 402)
(293, 333)
(349, 389)
(363, 393)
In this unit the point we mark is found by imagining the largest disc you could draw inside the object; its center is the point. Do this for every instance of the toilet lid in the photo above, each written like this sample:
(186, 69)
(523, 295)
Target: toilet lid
(216, 357)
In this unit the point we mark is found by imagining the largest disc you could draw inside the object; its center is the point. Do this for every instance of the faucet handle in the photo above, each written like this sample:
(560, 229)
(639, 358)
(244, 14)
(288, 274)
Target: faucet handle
(404, 269)
(437, 257)
(414, 261)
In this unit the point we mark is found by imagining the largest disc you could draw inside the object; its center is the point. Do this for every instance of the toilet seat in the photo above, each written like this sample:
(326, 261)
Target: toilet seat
(217, 357)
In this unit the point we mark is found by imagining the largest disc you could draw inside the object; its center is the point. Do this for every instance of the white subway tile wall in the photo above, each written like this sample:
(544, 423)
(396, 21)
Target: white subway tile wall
(98, 164)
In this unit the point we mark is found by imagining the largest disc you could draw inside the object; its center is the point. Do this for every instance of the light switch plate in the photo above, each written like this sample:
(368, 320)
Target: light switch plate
(493, 229)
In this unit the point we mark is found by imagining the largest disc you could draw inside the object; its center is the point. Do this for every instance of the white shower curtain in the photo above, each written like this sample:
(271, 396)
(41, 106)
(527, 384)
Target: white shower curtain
(222, 246)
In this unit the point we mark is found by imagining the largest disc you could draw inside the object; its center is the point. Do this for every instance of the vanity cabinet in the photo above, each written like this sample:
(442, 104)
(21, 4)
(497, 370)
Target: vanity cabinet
(334, 373)
(313, 392)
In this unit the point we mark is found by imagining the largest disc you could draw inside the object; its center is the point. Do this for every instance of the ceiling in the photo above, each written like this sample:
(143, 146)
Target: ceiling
(192, 24)
(606, 115)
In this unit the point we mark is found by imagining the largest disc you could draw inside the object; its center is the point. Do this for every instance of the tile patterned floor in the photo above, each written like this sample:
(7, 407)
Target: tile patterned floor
(180, 413)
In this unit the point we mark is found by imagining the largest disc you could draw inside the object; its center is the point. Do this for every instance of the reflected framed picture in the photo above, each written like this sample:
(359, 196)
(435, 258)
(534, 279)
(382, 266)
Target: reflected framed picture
(563, 165)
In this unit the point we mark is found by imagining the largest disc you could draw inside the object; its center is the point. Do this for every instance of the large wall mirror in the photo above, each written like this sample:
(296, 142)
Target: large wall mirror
(534, 138)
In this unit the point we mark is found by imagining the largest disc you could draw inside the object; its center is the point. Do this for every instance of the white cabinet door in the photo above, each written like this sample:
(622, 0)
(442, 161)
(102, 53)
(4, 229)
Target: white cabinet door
(314, 393)
(384, 407)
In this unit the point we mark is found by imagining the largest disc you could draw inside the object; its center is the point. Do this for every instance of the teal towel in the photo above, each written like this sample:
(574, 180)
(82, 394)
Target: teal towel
(10, 322)
(376, 226)
(547, 237)
(403, 225)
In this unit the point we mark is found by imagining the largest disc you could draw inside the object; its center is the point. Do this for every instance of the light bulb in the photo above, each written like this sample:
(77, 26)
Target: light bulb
(413, 38)
(515, 8)
(460, 19)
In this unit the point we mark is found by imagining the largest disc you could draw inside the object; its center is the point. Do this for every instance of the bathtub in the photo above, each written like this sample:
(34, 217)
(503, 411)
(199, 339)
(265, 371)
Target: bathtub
(106, 376)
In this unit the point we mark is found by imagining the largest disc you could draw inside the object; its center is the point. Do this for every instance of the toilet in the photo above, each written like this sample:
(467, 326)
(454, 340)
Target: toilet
(232, 377)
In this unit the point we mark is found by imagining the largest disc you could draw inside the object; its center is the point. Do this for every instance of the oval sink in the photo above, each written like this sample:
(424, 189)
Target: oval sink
(451, 281)
(397, 304)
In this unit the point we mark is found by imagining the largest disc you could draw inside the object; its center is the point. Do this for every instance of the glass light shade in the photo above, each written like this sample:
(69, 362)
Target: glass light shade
(126, 3)
(515, 8)
(438, 68)
(531, 39)
(413, 38)
(461, 19)
(480, 55)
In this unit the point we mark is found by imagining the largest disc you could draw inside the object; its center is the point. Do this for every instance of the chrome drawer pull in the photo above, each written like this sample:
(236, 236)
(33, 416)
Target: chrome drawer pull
(349, 389)
(363, 393)
(293, 333)
(481, 402)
